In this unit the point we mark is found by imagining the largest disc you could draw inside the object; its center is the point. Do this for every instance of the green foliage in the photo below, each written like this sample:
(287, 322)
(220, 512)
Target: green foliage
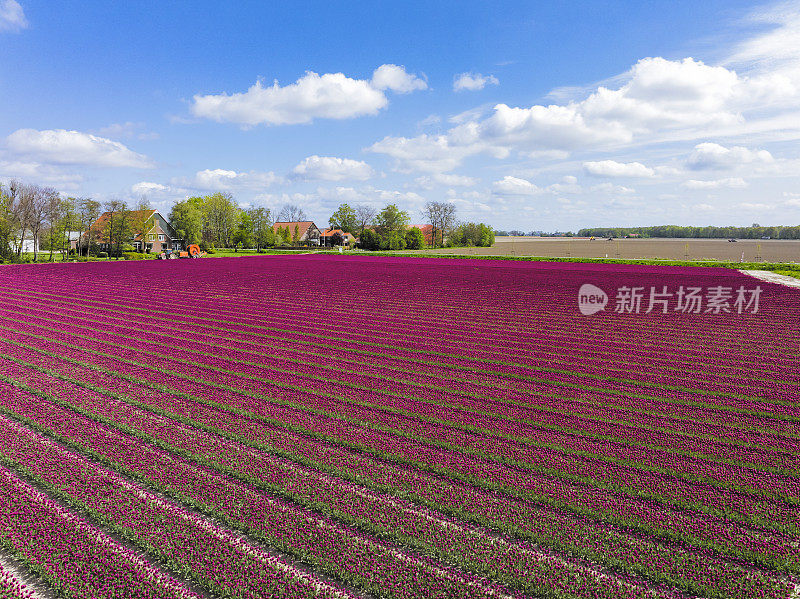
(370, 240)
(393, 241)
(186, 217)
(102, 254)
(134, 256)
(344, 218)
(415, 239)
(243, 237)
(391, 220)
(471, 235)
(337, 239)
(755, 231)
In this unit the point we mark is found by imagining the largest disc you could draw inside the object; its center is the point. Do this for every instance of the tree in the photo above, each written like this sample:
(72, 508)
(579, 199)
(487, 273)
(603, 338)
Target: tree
(88, 213)
(415, 240)
(263, 236)
(243, 237)
(42, 198)
(337, 239)
(117, 228)
(142, 221)
(55, 212)
(370, 240)
(291, 213)
(7, 223)
(391, 220)
(393, 240)
(472, 234)
(221, 218)
(296, 235)
(344, 218)
(364, 217)
(186, 217)
(441, 216)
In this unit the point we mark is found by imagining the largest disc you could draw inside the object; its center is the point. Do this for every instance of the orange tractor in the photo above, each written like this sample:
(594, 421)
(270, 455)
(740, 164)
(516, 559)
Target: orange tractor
(193, 251)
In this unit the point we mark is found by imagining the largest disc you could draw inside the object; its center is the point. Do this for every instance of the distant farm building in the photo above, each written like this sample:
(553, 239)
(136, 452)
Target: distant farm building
(304, 231)
(160, 235)
(328, 234)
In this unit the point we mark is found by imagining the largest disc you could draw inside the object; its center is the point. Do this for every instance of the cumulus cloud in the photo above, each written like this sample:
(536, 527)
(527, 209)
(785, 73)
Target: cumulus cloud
(126, 130)
(711, 156)
(329, 168)
(225, 180)
(395, 78)
(312, 96)
(731, 182)
(147, 187)
(473, 81)
(48, 174)
(611, 168)
(12, 16)
(656, 100)
(515, 186)
(59, 146)
(450, 180)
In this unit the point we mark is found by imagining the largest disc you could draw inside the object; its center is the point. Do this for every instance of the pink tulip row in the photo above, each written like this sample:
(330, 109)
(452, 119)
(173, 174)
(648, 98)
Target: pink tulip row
(230, 457)
(74, 557)
(363, 377)
(663, 445)
(11, 587)
(289, 388)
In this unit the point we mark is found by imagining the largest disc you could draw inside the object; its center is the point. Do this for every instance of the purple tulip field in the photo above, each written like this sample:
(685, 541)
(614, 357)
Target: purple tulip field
(397, 428)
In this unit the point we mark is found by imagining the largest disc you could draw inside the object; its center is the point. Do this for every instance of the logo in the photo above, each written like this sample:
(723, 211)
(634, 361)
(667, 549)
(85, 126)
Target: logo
(591, 299)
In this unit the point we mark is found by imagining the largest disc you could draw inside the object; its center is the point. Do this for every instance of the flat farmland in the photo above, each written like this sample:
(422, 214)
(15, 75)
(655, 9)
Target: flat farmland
(767, 250)
(398, 428)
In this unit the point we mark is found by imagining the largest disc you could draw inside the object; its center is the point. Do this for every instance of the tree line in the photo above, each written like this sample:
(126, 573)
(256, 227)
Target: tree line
(755, 231)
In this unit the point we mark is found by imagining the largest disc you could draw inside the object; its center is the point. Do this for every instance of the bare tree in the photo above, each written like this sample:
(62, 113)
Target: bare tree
(442, 217)
(21, 210)
(88, 213)
(41, 201)
(142, 221)
(364, 216)
(54, 213)
(291, 213)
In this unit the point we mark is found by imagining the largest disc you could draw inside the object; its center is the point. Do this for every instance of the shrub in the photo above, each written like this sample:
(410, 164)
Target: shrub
(415, 240)
(393, 241)
(370, 240)
(133, 256)
(102, 254)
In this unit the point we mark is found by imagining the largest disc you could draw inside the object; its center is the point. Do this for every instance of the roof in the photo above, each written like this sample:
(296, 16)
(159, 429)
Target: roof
(332, 232)
(302, 225)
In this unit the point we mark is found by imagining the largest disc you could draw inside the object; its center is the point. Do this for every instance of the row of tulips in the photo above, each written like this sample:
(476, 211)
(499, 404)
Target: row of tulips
(728, 504)
(703, 573)
(468, 398)
(712, 380)
(12, 587)
(550, 460)
(77, 559)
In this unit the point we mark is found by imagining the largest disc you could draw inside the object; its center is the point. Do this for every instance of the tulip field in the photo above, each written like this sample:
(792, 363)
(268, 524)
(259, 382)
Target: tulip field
(397, 428)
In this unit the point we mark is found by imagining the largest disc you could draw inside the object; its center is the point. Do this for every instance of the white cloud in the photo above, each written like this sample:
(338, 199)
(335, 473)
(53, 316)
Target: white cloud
(59, 146)
(568, 184)
(224, 180)
(657, 100)
(430, 181)
(312, 96)
(515, 186)
(147, 187)
(611, 168)
(731, 182)
(36, 172)
(126, 130)
(711, 156)
(12, 17)
(330, 168)
(473, 81)
(395, 78)
(755, 206)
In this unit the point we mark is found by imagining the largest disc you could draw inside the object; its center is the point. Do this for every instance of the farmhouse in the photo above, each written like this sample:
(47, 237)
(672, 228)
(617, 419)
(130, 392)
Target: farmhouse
(304, 231)
(160, 235)
(327, 237)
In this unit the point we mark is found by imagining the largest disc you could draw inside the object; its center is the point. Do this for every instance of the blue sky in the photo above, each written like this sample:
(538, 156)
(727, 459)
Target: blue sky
(526, 115)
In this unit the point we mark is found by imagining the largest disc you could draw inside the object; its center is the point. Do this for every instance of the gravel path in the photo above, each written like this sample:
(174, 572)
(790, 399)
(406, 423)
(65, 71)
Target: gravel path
(771, 277)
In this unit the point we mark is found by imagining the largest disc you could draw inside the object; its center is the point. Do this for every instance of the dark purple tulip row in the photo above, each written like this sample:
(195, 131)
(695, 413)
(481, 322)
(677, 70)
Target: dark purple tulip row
(605, 369)
(11, 587)
(221, 562)
(537, 485)
(252, 380)
(356, 558)
(75, 558)
(707, 574)
(464, 389)
(519, 417)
